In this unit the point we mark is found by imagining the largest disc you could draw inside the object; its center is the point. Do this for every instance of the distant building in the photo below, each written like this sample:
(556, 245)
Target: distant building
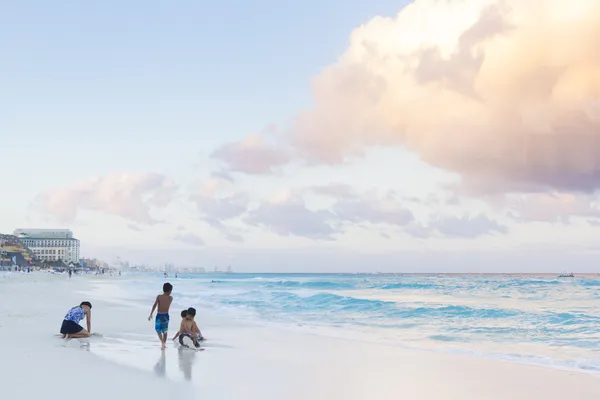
(92, 263)
(13, 252)
(51, 244)
(169, 268)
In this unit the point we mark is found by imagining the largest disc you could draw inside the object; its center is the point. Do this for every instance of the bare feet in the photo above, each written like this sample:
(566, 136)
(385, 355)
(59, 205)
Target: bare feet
(163, 346)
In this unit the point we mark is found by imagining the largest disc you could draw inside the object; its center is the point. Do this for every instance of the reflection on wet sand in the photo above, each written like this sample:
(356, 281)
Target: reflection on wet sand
(161, 366)
(186, 360)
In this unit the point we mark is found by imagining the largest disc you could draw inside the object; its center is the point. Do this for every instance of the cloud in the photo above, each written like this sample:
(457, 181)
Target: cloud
(208, 188)
(354, 207)
(333, 190)
(223, 175)
(217, 224)
(189, 238)
(287, 214)
(290, 217)
(232, 237)
(387, 210)
(466, 226)
(419, 230)
(504, 92)
(128, 195)
(251, 156)
(134, 227)
(390, 209)
(552, 207)
(217, 209)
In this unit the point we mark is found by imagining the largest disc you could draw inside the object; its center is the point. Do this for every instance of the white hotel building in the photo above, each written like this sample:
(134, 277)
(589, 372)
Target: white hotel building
(51, 244)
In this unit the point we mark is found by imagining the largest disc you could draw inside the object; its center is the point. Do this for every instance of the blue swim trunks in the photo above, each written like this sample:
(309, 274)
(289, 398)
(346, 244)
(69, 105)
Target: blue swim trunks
(162, 323)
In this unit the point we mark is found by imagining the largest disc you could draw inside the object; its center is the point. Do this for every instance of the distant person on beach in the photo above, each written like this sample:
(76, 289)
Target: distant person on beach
(163, 302)
(70, 328)
(189, 329)
(70, 273)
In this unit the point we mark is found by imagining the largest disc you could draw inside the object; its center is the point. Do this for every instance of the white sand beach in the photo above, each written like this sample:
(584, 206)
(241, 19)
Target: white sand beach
(241, 361)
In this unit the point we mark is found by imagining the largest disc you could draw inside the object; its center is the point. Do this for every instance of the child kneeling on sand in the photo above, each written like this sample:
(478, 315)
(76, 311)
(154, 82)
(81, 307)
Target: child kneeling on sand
(70, 328)
(189, 328)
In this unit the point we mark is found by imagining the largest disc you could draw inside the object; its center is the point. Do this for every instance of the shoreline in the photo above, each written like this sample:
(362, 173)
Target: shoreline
(242, 360)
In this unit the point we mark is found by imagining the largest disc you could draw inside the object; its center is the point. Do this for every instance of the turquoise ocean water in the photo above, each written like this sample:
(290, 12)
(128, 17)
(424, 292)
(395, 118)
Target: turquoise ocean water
(541, 320)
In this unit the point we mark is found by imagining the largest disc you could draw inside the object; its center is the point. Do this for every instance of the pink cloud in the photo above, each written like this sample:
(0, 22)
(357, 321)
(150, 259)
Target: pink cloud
(504, 92)
(552, 207)
(251, 156)
(128, 195)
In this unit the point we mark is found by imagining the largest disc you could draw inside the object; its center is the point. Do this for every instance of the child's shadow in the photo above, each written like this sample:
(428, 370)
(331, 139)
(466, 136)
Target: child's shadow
(161, 366)
(186, 361)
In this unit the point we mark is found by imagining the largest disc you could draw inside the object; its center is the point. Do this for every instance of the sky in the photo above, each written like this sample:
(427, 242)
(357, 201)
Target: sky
(318, 136)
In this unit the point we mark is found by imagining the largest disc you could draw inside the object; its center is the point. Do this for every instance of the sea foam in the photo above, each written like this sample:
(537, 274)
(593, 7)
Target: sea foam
(535, 319)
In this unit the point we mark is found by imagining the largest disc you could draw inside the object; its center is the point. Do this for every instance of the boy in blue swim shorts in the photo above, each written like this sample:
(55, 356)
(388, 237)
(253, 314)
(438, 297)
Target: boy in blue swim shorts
(163, 303)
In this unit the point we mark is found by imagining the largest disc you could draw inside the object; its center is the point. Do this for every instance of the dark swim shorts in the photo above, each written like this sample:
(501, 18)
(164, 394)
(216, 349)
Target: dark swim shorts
(70, 327)
(185, 339)
(162, 323)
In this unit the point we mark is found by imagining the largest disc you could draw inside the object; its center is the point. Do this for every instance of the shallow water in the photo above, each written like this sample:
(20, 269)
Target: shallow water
(533, 319)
